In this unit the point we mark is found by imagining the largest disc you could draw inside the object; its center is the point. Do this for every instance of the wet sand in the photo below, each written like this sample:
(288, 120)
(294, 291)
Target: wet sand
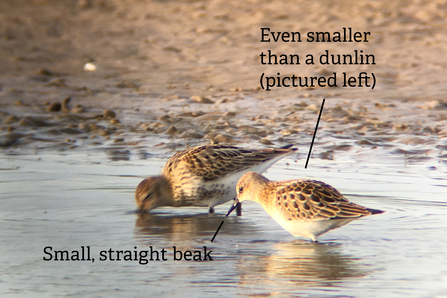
(75, 142)
(188, 73)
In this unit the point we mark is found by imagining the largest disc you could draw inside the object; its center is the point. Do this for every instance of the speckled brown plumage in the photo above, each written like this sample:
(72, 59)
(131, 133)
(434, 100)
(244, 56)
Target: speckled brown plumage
(203, 176)
(311, 199)
(306, 208)
(212, 162)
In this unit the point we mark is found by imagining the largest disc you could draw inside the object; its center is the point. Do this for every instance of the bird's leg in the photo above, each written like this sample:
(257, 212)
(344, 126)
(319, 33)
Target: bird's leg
(239, 210)
(211, 211)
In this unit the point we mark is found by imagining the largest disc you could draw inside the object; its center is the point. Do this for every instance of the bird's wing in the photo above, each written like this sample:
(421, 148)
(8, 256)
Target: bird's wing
(213, 162)
(315, 200)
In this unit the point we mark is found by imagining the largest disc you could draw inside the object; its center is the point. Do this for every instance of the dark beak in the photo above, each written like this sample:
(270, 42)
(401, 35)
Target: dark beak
(236, 204)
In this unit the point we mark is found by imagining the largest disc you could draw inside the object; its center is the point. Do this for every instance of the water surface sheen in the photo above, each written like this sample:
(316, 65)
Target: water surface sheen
(69, 201)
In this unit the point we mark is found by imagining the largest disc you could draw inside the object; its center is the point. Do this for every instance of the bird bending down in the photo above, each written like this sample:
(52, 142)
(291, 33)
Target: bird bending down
(204, 176)
(305, 208)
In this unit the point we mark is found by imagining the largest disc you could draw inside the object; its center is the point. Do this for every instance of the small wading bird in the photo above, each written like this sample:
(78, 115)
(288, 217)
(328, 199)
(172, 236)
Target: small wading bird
(204, 176)
(305, 208)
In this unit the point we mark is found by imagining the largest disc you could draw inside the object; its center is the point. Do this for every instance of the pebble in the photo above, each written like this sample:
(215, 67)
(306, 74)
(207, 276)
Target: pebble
(191, 114)
(223, 100)
(44, 72)
(435, 105)
(116, 155)
(145, 127)
(71, 130)
(200, 99)
(95, 127)
(108, 114)
(235, 89)
(399, 127)
(90, 66)
(104, 133)
(78, 109)
(338, 112)
(312, 107)
(11, 119)
(7, 143)
(265, 142)
(127, 84)
(54, 107)
(365, 143)
(442, 132)
(428, 129)
(14, 135)
(349, 119)
(209, 117)
(84, 127)
(221, 138)
(301, 104)
(157, 124)
(32, 122)
(165, 118)
(172, 130)
(286, 132)
(54, 131)
(57, 83)
(191, 135)
(65, 103)
(329, 155)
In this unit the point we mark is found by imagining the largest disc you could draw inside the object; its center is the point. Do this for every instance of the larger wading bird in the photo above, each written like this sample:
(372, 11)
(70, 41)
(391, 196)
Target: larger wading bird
(204, 176)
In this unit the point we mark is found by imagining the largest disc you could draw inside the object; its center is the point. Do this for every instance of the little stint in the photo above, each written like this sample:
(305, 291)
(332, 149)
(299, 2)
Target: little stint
(305, 208)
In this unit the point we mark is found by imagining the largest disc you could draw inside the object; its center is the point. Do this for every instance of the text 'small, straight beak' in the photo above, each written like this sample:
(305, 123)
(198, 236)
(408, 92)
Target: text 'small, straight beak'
(236, 204)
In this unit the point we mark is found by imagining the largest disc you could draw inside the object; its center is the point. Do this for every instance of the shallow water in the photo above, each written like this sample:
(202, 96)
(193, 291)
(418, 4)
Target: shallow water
(73, 200)
(74, 145)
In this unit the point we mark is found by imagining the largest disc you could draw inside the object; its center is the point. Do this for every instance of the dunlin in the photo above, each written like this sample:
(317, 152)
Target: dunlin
(305, 208)
(204, 176)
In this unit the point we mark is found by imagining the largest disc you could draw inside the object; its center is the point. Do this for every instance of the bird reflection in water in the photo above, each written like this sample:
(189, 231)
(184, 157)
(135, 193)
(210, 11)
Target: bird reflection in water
(175, 227)
(185, 227)
(297, 263)
(258, 264)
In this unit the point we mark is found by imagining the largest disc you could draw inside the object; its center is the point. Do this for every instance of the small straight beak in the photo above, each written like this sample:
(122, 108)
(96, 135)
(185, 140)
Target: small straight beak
(236, 204)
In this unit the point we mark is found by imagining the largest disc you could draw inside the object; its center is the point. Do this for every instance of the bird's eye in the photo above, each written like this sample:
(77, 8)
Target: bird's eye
(241, 189)
(147, 197)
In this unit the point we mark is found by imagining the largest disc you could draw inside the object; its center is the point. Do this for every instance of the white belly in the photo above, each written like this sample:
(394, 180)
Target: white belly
(307, 228)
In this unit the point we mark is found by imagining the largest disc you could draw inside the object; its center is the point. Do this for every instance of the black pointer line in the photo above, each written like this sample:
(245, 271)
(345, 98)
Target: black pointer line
(217, 231)
(313, 139)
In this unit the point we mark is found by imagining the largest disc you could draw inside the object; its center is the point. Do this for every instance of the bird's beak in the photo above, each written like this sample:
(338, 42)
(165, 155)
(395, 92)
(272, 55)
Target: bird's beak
(236, 204)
